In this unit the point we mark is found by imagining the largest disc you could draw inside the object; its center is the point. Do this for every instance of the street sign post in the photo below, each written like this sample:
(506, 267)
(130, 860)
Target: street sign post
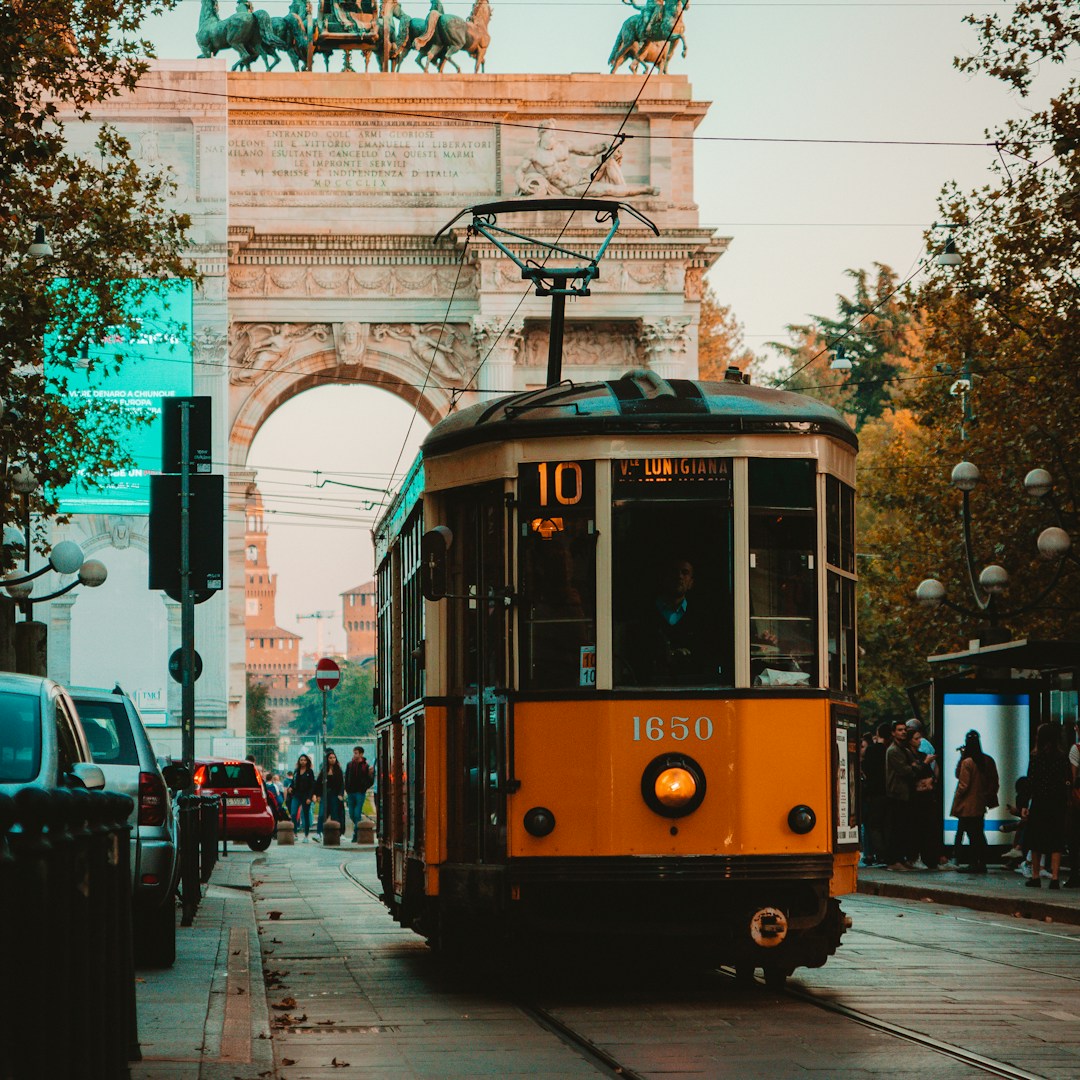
(327, 676)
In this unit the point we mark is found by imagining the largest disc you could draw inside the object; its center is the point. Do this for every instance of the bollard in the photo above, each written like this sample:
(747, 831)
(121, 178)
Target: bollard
(10, 1021)
(190, 889)
(224, 827)
(286, 833)
(31, 954)
(208, 835)
(331, 833)
(81, 929)
(366, 831)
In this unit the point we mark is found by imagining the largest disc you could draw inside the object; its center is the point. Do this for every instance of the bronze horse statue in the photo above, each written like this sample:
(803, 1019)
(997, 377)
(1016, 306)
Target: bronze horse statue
(294, 31)
(443, 35)
(250, 33)
(650, 36)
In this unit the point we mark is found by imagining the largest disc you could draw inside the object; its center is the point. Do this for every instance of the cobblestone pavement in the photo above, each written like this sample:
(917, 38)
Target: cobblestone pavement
(349, 993)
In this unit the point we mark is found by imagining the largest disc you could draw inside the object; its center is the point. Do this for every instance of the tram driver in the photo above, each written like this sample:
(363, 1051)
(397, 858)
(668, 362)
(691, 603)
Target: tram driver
(673, 640)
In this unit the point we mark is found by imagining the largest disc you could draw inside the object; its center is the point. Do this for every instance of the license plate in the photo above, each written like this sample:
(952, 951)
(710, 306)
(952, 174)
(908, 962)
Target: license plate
(237, 802)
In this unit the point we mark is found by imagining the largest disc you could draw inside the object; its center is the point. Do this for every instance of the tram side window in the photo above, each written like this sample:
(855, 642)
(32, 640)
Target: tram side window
(672, 573)
(557, 510)
(840, 556)
(412, 619)
(783, 591)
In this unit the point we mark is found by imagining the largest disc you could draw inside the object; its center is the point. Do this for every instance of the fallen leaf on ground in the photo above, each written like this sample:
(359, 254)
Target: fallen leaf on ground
(339, 1064)
(240, 990)
(326, 1023)
(275, 915)
(288, 1061)
(284, 1003)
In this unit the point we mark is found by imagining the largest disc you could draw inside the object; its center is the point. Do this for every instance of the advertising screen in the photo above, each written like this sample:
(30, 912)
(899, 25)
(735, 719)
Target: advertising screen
(155, 362)
(1003, 722)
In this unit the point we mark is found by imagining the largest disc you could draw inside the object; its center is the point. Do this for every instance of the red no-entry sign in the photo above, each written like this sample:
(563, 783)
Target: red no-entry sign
(327, 674)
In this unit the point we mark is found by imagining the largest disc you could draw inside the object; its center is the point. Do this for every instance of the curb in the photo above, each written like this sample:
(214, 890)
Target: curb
(1020, 907)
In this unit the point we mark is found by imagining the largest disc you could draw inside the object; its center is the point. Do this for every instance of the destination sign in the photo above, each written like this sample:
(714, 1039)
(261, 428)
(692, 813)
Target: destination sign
(696, 476)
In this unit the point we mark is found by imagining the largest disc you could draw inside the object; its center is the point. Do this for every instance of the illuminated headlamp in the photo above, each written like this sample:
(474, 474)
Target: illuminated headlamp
(673, 785)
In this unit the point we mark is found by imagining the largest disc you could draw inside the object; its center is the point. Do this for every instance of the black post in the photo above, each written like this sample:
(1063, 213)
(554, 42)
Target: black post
(187, 601)
(190, 888)
(555, 338)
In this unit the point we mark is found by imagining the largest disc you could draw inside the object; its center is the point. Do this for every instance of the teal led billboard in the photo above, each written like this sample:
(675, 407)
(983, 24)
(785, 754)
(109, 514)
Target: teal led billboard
(154, 362)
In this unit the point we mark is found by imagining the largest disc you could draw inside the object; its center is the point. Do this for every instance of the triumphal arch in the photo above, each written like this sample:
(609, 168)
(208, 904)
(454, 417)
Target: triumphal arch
(314, 199)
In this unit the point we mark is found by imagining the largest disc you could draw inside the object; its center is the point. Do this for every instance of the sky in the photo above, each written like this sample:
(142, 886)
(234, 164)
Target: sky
(799, 212)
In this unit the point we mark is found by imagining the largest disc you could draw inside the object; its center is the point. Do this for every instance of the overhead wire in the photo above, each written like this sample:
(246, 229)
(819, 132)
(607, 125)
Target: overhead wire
(616, 141)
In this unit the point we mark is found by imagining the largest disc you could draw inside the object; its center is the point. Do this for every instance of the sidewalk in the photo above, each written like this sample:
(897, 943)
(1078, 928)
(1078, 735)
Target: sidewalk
(999, 890)
(205, 1018)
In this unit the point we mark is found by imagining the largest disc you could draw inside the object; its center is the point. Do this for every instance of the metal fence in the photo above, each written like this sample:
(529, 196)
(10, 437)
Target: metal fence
(278, 754)
(66, 935)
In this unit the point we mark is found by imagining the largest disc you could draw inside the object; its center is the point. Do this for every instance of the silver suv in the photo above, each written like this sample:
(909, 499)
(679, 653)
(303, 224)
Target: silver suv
(120, 746)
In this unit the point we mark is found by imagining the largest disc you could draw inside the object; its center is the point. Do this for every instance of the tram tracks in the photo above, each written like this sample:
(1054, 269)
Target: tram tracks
(990, 1066)
(608, 1065)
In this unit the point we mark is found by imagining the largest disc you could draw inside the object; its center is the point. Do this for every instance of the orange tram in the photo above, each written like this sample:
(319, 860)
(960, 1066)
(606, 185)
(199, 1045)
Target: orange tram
(616, 674)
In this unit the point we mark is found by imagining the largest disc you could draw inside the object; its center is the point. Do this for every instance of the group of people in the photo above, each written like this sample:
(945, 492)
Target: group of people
(902, 826)
(329, 792)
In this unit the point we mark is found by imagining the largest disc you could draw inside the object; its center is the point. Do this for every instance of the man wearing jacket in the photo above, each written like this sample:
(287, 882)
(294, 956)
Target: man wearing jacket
(357, 781)
(900, 774)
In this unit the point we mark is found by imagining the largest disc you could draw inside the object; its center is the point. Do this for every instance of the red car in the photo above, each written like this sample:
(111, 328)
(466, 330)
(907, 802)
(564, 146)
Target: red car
(247, 815)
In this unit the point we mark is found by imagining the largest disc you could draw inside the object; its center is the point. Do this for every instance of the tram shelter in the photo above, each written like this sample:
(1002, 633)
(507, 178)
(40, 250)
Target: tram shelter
(1004, 691)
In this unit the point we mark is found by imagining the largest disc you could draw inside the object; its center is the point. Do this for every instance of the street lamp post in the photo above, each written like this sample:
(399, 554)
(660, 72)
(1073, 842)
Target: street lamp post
(990, 584)
(31, 638)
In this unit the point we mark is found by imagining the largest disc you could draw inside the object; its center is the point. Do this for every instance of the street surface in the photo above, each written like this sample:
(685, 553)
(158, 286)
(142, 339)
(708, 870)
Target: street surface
(350, 994)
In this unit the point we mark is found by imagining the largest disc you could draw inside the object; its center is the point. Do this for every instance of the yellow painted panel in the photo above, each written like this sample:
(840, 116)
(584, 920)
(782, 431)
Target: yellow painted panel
(584, 761)
(845, 874)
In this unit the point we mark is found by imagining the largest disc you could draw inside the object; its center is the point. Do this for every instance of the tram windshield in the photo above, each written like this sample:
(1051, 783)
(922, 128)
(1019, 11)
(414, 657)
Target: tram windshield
(672, 581)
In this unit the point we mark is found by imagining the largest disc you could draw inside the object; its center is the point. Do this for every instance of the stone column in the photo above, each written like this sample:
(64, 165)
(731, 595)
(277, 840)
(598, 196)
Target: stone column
(60, 638)
(500, 342)
(172, 687)
(665, 341)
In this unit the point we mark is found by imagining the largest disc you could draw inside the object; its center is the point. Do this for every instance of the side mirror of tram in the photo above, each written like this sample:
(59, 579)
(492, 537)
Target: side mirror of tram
(434, 545)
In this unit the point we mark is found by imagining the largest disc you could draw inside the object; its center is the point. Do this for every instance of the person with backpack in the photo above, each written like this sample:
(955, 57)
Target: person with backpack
(358, 779)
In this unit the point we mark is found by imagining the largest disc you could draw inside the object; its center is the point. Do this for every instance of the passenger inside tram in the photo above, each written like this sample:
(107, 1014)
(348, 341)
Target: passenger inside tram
(673, 611)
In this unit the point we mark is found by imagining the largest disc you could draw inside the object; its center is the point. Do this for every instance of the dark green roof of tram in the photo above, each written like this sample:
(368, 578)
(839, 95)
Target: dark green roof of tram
(640, 403)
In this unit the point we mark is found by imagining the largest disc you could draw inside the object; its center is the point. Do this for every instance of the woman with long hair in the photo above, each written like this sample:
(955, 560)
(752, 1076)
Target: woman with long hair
(1046, 814)
(976, 792)
(331, 785)
(301, 792)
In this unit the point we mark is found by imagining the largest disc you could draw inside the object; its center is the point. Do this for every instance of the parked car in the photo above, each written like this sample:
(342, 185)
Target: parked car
(247, 815)
(120, 746)
(41, 741)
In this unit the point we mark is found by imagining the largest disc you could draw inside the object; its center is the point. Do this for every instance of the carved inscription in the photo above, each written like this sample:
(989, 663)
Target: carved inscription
(337, 158)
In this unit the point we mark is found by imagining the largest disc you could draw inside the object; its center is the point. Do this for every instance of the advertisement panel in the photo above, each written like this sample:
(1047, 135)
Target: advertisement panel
(1003, 721)
(154, 362)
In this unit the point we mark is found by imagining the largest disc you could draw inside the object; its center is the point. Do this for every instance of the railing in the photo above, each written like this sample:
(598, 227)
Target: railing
(66, 935)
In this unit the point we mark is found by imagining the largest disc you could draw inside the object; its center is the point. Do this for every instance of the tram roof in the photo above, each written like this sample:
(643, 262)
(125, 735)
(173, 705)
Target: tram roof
(639, 402)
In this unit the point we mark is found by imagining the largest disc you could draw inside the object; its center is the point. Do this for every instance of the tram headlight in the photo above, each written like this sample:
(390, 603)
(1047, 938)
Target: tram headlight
(539, 821)
(801, 819)
(673, 785)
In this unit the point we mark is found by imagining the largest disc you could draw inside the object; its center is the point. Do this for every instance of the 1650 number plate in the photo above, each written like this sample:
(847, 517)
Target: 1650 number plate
(679, 728)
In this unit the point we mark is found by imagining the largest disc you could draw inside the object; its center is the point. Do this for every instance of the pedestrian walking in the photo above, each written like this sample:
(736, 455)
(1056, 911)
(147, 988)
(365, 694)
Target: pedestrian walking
(873, 795)
(301, 793)
(900, 772)
(926, 824)
(358, 780)
(1074, 812)
(1046, 815)
(330, 784)
(976, 792)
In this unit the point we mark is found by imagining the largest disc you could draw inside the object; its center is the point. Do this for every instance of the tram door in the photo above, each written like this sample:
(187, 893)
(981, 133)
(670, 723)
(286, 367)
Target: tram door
(477, 662)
